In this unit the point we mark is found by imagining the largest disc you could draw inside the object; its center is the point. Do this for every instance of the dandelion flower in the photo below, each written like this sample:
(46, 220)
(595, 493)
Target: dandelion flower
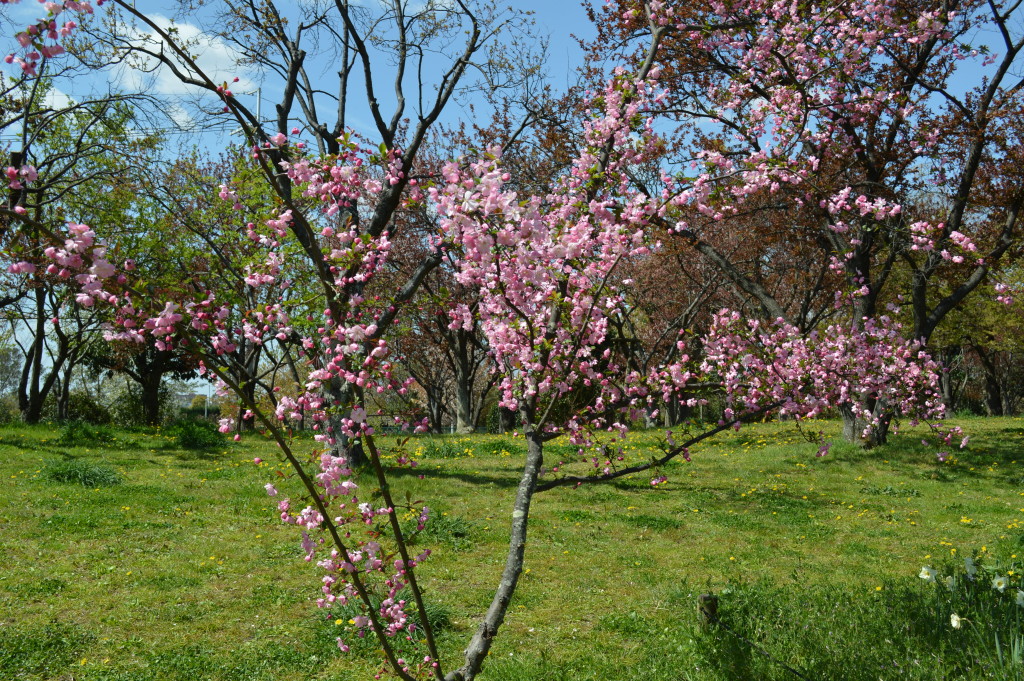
(999, 584)
(927, 574)
(955, 621)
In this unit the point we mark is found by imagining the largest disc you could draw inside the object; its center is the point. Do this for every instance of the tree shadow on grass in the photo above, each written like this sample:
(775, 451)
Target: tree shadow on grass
(900, 631)
(509, 480)
(478, 479)
(906, 451)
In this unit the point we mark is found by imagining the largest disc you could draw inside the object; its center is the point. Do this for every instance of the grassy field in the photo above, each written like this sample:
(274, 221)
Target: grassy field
(128, 557)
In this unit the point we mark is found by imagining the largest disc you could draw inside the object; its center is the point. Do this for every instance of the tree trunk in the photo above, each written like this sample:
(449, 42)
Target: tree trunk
(506, 420)
(30, 393)
(993, 396)
(251, 361)
(993, 388)
(853, 427)
(857, 430)
(242, 424)
(675, 412)
(464, 422)
(151, 397)
(650, 419)
(435, 411)
(64, 396)
(946, 380)
(463, 361)
(341, 394)
(480, 645)
(297, 380)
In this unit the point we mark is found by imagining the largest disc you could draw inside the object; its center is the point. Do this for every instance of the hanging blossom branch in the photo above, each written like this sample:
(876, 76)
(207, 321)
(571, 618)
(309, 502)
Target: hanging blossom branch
(41, 39)
(365, 564)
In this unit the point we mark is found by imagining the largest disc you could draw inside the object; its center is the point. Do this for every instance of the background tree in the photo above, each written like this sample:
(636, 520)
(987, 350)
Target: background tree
(80, 159)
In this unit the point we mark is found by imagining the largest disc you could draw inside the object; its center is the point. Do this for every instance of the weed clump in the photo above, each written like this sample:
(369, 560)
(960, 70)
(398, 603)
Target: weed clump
(85, 473)
(78, 433)
(499, 447)
(440, 448)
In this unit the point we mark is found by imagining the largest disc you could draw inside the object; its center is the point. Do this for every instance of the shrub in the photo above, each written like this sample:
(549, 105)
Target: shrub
(440, 528)
(499, 447)
(493, 420)
(82, 407)
(200, 413)
(126, 409)
(9, 412)
(76, 433)
(80, 472)
(194, 434)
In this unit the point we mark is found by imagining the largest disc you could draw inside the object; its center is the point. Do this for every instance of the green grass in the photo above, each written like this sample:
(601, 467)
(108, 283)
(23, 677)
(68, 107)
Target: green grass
(182, 570)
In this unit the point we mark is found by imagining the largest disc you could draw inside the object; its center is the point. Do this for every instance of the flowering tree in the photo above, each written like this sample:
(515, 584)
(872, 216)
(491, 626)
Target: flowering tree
(546, 272)
(64, 163)
(885, 137)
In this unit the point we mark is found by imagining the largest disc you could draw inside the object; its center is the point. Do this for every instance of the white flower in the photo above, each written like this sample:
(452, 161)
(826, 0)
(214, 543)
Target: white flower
(1020, 598)
(955, 621)
(970, 567)
(999, 584)
(927, 574)
(950, 582)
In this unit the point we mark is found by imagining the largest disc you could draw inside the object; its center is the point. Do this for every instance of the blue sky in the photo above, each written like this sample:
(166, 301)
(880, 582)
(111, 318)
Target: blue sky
(557, 19)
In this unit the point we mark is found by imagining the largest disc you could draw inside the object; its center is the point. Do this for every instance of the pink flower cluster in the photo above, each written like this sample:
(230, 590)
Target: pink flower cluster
(344, 346)
(870, 363)
(545, 271)
(17, 177)
(361, 554)
(41, 39)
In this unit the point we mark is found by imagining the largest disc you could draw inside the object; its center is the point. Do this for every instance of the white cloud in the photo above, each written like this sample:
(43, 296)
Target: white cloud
(56, 98)
(212, 55)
